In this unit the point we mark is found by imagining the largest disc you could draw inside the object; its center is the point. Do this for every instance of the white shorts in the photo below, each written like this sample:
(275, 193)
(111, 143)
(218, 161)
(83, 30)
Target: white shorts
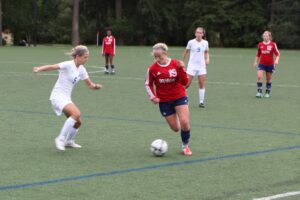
(196, 71)
(58, 105)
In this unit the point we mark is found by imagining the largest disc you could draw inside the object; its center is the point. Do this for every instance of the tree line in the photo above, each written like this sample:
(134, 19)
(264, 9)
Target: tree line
(228, 23)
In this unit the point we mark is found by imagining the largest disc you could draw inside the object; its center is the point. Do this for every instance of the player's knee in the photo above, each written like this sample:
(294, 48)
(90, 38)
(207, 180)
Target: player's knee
(201, 86)
(76, 116)
(175, 128)
(77, 124)
(185, 125)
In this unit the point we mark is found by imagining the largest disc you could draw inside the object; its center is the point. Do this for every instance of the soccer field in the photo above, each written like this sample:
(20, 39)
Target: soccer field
(243, 148)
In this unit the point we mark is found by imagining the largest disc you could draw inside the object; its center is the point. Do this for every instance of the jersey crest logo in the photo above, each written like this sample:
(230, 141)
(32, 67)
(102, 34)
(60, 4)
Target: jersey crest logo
(269, 48)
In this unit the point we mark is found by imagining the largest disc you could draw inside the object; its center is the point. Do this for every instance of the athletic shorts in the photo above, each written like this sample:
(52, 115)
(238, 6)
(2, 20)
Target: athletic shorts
(196, 71)
(168, 108)
(58, 105)
(266, 68)
(108, 54)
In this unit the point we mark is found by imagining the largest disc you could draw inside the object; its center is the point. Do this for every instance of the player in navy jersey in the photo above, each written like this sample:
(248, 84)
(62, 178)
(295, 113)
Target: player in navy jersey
(169, 78)
(265, 63)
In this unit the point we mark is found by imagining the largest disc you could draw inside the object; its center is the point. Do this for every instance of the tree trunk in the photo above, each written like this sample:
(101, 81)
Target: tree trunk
(75, 23)
(119, 17)
(118, 9)
(35, 13)
(0, 22)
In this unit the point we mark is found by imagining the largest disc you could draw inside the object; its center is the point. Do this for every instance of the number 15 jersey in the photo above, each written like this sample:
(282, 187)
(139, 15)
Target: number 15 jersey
(169, 80)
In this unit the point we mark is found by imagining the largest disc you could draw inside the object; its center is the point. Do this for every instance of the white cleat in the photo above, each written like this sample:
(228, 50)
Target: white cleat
(73, 144)
(60, 145)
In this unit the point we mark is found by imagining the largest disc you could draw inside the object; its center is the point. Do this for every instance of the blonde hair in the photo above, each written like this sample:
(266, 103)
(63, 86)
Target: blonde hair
(79, 50)
(202, 29)
(269, 33)
(160, 47)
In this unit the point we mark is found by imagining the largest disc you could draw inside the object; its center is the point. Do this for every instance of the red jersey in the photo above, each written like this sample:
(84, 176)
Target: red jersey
(169, 80)
(109, 45)
(266, 53)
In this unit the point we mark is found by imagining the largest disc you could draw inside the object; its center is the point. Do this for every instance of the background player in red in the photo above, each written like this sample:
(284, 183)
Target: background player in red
(169, 77)
(265, 57)
(108, 51)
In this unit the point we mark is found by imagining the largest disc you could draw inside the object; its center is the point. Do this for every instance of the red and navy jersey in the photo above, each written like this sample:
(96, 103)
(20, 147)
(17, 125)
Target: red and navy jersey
(169, 80)
(109, 45)
(266, 52)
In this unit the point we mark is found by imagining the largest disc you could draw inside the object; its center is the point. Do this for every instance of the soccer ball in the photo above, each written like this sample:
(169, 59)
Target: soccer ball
(159, 147)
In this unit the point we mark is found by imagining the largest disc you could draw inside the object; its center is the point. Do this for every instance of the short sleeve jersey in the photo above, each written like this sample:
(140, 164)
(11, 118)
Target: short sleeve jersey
(68, 76)
(266, 53)
(197, 52)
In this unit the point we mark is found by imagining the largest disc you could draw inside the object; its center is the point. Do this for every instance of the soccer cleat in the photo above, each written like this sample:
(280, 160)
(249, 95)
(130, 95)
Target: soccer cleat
(267, 95)
(201, 105)
(60, 145)
(73, 145)
(259, 95)
(113, 72)
(106, 71)
(186, 151)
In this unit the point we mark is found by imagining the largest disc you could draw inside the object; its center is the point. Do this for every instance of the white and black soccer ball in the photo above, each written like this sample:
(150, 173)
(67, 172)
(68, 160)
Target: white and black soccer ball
(159, 147)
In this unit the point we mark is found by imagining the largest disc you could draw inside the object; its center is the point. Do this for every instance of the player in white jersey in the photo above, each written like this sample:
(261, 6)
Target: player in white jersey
(199, 58)
(70, 72)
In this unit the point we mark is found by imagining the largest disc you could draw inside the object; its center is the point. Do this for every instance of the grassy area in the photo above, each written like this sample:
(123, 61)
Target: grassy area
(243, 147)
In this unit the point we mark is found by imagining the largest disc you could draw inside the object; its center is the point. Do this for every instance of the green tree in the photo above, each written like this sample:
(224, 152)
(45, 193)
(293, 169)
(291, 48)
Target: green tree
(285, 23)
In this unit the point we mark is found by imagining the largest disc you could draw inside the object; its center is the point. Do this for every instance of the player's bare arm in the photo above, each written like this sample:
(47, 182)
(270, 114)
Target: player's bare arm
(206, 56)
(185, 53)
(181, 64)
(45, 68)
(91, 85)
(255, 62)
(276, 60)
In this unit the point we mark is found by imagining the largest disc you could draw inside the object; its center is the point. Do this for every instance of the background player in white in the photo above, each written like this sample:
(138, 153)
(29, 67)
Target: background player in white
(70, 72)
(199, 58)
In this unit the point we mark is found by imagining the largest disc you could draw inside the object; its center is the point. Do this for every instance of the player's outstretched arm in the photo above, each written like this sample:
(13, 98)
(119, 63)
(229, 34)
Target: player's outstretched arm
(45, 68)
(91, 85)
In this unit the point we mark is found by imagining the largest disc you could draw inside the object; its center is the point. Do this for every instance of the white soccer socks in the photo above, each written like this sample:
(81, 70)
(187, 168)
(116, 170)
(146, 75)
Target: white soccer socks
(67, 127)
(201, 95)
(70, 138)
(64, 133)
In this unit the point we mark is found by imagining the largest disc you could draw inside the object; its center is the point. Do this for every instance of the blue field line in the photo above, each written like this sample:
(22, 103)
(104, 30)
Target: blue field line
(160, 122)
(146, 168)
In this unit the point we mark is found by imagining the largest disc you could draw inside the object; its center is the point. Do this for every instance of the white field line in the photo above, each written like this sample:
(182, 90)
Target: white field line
(16, 74)
(279, 196)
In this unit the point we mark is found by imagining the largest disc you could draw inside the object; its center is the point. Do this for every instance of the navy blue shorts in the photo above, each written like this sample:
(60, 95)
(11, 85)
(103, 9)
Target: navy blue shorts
(168, 108)
(266, 68)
